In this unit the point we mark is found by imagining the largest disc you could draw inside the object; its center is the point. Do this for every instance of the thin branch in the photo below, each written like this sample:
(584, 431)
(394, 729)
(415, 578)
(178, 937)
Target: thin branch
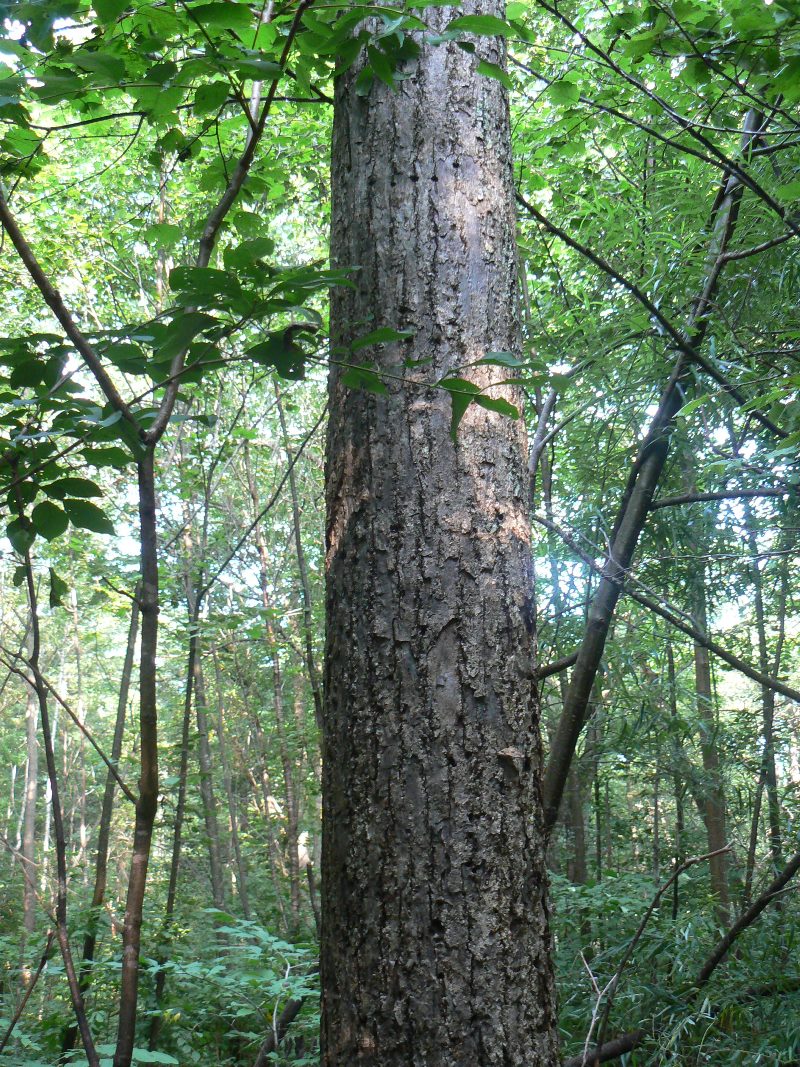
(754, 250)
(8, 663)
(613, 985)
(218, 214)
(671, 615)
(724, 494)
(54, 301)
(746, 919)
(557, 666)
(46, 953)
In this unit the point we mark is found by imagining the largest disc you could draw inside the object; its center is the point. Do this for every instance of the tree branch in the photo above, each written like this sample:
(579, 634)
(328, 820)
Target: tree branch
(746, 919)
(56, 304)
(557, 666)
(612, 1050)
(724, 494)
(671, 615)
(217, 216)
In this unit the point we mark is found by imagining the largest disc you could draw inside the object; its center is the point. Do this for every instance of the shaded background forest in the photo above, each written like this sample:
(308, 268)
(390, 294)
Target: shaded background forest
(640, 199)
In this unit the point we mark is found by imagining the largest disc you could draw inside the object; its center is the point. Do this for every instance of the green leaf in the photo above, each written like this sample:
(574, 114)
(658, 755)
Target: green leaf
(364, 81)
(58, 590)
(72, 486)
(108, 457)
(500, 359)
(692, 405)
(491, 70)
(564, 92)
(203, 283)
(210, 97)
(257, 68)
(790, 191)
(223, 16)
(180, 333)
(498, 404)
(128, 357)
(28, 373)
(87, 516)
(381, 66)
(49, 520)
(109, 10)
(462, 393)
(382, 336)
(163, 234)
(21, 534)
(482, 25)
(363, 378)
(248, 253)
(282, 352)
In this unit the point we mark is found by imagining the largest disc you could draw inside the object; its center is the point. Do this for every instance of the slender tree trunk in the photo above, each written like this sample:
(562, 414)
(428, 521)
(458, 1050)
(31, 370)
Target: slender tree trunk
(594, 738)
(678, 786)
(207, 794)
(573, 815)
(177, 837)
(194, 553)
(11, 808)
(104, 831)
(657, 819)
(435, 945)
(767, 778)
(714, 792)
(80, 707)
(278, 703)
(302, 569)
(241, 871)
(62, 931)
(28, 850)
(147, 803)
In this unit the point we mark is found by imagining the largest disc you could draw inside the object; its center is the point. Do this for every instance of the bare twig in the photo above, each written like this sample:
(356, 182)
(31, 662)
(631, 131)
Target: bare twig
(614, 983)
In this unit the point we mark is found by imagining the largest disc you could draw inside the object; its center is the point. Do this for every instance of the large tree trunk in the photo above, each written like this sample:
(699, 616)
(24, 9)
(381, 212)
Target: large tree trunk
(435, 942)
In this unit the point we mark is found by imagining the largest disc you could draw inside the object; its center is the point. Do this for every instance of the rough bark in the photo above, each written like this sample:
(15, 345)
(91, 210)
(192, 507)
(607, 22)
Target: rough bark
(435, 944)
